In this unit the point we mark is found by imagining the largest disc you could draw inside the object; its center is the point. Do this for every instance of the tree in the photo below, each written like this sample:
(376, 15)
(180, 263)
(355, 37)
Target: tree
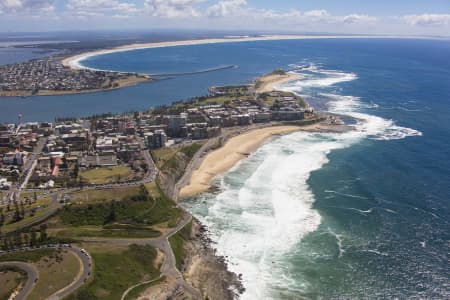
(26, 239)
(16, 212)
(22, 210)
(43, 232)
(2, 217)
(111, 217)
(33, 238)
(81, 183)
(76, 170)
(18, 239)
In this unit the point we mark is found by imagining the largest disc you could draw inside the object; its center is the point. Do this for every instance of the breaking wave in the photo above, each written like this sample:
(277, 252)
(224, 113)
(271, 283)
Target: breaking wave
(264, 206)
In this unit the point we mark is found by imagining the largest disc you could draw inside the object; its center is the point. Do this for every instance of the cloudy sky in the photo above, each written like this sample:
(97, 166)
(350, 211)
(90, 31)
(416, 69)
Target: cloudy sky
(412, 17)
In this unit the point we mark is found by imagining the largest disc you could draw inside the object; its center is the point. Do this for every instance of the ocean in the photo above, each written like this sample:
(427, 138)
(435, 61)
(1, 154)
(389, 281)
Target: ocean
(362, 214)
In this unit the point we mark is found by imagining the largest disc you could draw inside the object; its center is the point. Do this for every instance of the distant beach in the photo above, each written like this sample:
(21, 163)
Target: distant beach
(74, 62)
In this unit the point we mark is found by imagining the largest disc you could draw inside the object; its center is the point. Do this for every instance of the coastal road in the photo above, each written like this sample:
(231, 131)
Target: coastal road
(32, 277)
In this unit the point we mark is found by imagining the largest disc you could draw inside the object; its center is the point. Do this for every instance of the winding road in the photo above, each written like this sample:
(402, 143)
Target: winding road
(33, 274)
(32, 277)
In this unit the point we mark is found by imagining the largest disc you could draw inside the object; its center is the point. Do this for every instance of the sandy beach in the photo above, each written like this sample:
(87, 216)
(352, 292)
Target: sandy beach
(74, 62)
(234, 150)
(270, 83)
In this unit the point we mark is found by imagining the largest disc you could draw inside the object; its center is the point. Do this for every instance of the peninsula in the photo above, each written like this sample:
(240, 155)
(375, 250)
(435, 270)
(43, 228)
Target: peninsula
(47, 76)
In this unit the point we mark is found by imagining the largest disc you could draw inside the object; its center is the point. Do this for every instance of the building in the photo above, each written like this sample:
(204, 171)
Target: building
(288, 115)
(177, 125)
(156, 140)
(262, 117)
(15, 158)
(4, 184)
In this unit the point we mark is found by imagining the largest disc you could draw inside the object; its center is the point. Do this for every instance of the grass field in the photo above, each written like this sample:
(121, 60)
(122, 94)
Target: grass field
(10, 280)
(55, 272)
(117, 269)
(28, 256)
(104, 195)
(106, 175)
(97, 211)
(98, 231)
(132, 214)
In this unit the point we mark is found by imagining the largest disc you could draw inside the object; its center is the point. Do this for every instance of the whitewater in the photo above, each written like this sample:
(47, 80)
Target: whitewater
(264, 207)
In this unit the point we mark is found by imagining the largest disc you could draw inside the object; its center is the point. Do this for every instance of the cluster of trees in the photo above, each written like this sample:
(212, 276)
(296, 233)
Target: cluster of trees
(19, 212)
(27, 238)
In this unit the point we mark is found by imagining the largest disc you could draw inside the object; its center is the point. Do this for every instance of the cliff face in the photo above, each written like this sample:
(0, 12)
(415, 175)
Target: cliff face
(168, 177)
(172, 164)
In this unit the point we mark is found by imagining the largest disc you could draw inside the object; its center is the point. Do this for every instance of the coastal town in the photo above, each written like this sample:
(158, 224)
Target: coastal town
(48, 76)
(59, 150)
(100, 177)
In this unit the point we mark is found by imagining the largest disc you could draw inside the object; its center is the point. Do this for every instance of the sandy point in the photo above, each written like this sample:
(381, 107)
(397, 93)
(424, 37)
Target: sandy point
(272, 82)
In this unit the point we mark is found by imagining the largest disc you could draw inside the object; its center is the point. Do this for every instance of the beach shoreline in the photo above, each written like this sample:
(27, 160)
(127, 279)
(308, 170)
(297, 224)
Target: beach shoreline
(235, 149)
(74, 62)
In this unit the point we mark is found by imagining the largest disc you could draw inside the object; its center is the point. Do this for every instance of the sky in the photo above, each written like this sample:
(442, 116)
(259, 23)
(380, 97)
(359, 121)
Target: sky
(404, 17)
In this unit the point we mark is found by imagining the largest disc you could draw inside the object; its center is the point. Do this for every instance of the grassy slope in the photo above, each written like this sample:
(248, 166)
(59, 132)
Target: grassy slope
(55, 273)
(177, 242)
(115, 270)
(105, 175)
(88, 215)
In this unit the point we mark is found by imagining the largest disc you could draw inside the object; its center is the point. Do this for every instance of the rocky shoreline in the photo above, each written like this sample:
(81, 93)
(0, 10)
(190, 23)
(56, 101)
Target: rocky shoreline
(207, 271)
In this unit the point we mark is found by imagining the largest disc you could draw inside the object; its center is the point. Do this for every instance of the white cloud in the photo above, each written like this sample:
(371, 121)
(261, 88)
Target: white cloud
(355, 18)
(100, 7)
(427, 19)
(172, 8)
(241, 11)
(320, 13)
(226, 8)
(27, 6)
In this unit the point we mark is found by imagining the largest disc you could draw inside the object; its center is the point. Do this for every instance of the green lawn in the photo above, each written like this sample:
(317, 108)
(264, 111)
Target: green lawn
(99, 231)
(131, 214)
(116, 271)
(106, 175)
(28, 256)
(103, 195)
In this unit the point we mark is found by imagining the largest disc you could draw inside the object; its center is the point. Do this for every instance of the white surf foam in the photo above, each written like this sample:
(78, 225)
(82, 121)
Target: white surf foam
(255, 224)
(264, 208)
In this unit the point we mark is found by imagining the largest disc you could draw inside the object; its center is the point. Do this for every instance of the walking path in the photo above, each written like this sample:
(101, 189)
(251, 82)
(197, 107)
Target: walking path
(33, 274)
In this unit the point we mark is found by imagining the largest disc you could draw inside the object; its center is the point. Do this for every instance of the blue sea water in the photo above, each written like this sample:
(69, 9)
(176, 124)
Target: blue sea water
(363, 214)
